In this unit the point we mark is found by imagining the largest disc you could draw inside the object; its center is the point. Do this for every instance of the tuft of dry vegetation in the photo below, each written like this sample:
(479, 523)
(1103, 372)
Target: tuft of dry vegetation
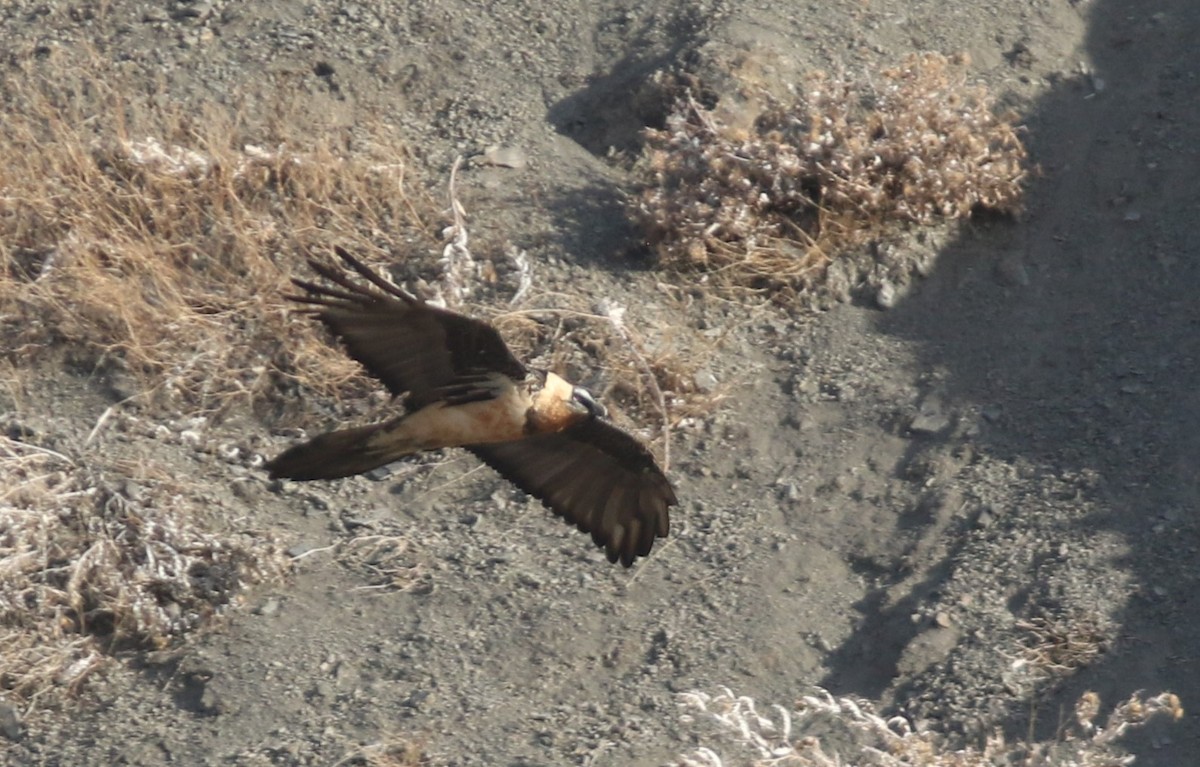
(768, 207)
(158, 242)
(157, 246)
(153, 247)
(1054, 647)
(95, 560)
(392, 752)
(794, 738)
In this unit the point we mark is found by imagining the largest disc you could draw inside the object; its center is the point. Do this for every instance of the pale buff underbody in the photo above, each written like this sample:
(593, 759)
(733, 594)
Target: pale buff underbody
(514, 413)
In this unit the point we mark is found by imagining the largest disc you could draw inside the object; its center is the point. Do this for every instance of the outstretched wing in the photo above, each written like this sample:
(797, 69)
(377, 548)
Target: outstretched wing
(429, 353)
(595, 476)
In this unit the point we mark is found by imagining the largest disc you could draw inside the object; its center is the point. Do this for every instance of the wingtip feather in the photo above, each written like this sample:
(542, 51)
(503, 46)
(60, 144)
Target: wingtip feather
(374, 277)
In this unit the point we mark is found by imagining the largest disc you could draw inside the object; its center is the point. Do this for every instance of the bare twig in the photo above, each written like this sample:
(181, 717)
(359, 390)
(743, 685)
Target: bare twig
(615, 316)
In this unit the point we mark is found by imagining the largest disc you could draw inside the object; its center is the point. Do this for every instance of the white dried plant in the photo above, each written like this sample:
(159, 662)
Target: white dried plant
(867, 739)
(88, 565)
(615, 313)
(458, 266)
(524, 270)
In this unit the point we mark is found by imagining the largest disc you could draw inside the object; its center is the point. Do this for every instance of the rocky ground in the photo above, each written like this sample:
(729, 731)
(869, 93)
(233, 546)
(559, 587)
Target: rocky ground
(968, 508)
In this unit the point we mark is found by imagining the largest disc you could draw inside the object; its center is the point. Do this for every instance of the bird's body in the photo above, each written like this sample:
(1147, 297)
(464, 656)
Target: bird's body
(511, 412)
(463, 388)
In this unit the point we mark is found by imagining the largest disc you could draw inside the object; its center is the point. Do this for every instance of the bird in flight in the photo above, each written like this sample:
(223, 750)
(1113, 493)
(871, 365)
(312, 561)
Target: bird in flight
(462, 387)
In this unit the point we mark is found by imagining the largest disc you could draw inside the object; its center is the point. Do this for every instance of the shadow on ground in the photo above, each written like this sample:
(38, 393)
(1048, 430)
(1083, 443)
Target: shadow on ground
(1081, 328)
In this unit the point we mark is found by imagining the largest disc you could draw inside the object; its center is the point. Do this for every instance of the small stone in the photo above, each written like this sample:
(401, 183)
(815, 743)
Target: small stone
(268, 608)
(10, 721)
(705, 381)
(163, 657)
(317, 502)
(930, 420)
(210, 702)
(299, 550)
(352, 523)
(942, 619)
(416, 699)
(505, 157)
(132, 490)
(197, 10)
(886, 296)
(381, 473)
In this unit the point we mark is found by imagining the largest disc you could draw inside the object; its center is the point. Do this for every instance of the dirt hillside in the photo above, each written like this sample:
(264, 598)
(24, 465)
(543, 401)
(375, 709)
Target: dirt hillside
(968, 508)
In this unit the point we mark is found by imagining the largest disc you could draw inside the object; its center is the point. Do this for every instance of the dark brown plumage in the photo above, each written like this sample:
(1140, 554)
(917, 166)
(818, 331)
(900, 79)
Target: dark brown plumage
(463, 388)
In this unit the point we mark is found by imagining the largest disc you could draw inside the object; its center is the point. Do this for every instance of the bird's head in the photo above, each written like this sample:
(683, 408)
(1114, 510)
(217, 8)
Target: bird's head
(559, 405)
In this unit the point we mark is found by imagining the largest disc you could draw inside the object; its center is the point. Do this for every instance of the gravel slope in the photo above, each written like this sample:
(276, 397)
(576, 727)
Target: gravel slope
(881, 504)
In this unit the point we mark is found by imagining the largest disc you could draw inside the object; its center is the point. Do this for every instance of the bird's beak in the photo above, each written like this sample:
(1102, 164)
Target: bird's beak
(585, 398)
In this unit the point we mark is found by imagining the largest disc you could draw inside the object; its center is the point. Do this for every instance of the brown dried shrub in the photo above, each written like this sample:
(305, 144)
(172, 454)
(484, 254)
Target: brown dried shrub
(769, 207)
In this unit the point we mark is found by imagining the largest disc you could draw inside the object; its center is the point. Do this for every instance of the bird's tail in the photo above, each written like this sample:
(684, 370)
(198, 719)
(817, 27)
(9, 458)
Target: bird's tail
(337, 454)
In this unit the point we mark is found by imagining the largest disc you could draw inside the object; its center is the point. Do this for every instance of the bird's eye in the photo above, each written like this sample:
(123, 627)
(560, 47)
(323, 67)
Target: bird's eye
(585, 398)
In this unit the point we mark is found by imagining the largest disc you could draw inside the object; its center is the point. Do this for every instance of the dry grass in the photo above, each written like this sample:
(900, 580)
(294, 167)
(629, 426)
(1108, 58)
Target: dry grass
(387, 753)
(769, 207)
(1055, 647)
(152, 244)
(648, 372)
(142, 240)
(864, 738)
(159, 242)
(95, 559)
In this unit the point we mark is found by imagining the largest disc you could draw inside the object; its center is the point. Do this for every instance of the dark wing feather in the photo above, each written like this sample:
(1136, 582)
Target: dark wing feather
(429, 353)
(595, 476)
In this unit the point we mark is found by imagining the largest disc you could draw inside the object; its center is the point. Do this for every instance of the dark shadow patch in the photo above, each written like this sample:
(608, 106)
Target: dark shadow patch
(1081, 323)
(609, 114)
(596, 228)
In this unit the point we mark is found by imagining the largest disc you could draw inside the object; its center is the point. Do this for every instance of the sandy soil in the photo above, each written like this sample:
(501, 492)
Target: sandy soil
(884, 500)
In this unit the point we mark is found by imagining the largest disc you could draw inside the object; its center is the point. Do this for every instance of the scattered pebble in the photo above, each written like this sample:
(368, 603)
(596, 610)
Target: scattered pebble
(269, 607)
(505, 157)
(299, 550)
(10, 721)
(886, 296)
(931, 420)
(705, 381)
(1011, 271)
